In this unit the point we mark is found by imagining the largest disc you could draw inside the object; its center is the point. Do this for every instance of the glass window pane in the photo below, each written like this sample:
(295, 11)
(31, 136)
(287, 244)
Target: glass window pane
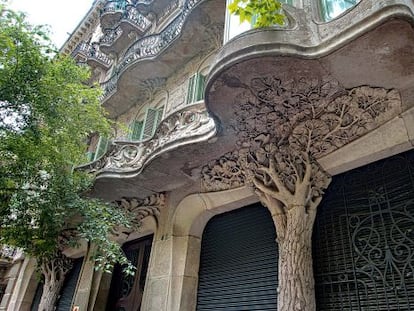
(333, 8)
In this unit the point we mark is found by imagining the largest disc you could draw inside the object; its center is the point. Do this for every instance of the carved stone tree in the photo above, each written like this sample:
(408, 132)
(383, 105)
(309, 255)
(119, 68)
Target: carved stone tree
(291, 183)
(284, 125)
(54, 270)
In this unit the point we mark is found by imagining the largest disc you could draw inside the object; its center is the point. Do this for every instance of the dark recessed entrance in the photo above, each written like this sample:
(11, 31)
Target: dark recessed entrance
(364, 239)
(126, 291)
(238, 264)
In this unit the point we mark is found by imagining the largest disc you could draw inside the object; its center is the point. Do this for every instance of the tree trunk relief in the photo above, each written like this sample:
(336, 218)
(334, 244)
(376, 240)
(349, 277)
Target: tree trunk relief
(54, 271)
(291, 186)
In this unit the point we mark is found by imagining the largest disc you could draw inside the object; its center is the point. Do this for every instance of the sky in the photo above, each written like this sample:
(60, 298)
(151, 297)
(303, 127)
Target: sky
(61, 15)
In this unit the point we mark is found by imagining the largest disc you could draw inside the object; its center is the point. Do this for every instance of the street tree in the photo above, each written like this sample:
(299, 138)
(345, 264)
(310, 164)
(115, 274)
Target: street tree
(47, 112)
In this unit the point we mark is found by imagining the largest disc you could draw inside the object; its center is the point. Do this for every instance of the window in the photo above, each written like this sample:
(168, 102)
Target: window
(135, 130)
(90, 156)
(196, 85)
(102, 147)
(333, 8)
(153, 117)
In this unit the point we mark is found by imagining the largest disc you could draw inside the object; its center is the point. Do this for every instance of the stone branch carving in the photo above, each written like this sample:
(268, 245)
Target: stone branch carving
(141, 208)
(283, 126)
(225, 173)
(188, 125)
(313, 114)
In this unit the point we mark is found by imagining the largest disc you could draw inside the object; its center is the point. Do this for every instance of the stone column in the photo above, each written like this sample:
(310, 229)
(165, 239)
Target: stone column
(291, 184)
(84, 286)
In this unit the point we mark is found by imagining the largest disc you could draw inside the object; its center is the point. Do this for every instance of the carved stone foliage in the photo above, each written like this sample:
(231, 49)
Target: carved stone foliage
(311, 114)
(284, 125)
(141, 208)
(225, 173)
(188, 125)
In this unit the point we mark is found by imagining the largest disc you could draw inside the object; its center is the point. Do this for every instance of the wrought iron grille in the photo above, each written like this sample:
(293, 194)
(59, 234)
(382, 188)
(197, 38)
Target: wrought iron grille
(364, 239)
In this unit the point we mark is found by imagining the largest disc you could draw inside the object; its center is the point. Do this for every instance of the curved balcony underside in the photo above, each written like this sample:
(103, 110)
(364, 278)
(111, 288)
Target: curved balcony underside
(358, 82)
(198, 29)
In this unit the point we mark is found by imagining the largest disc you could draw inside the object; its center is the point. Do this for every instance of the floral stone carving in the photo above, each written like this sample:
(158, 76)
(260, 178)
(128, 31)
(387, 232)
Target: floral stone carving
(186, 126)
(283, 126)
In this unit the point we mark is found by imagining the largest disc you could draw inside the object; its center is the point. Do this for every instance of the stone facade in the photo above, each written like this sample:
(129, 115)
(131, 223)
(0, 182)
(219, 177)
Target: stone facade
(282, 111)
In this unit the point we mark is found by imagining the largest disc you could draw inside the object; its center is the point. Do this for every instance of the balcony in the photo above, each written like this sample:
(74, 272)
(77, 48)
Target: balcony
(116, 39)
(158, 55)
(175, 137)
(112, 12)
(92, 55)
(7, 254)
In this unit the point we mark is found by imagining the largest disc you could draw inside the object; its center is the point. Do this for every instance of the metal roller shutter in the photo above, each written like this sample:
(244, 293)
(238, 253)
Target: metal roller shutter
(69, 287)
(238, 264)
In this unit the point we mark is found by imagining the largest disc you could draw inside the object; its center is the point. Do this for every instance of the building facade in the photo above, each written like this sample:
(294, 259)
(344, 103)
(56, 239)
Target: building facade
(257, 160)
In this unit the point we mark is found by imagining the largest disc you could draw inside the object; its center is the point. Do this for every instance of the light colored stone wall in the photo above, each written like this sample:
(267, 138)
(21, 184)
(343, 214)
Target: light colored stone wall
(173, 272)
(21, 286)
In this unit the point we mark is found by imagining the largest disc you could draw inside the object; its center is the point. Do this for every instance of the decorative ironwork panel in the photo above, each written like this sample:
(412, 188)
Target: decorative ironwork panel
(364, 239)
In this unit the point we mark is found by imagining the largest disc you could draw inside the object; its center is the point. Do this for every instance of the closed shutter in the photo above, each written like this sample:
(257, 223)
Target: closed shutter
(90, 156)
(152, 119)
(238, 263)
(195, 91)
(37, 296)
(102, 147)
(68, 290)
(135, 130)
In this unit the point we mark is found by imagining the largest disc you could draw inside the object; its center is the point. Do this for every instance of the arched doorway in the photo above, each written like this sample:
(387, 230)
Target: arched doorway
(238, 262)
(364, 239)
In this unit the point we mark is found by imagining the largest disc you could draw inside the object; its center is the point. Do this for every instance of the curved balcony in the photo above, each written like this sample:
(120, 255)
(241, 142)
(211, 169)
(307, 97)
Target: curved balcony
(111, 13)
(175, 137)
(281, 84)
(93, 57)
(114, 40)
(159, 55)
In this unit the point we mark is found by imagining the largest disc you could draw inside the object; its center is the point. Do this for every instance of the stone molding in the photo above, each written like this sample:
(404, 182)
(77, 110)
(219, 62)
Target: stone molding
(186, 126)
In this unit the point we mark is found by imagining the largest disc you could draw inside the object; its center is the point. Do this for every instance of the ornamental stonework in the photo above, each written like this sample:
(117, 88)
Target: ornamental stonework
(142, 208)
(284, 125)
(225, 173)
(186, 126)
(312, 114)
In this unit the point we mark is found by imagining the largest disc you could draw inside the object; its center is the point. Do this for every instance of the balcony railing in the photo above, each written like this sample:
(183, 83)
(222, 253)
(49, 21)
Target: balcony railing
(137, 19)
(113, 6)
(93, 56)
(110, 36)
(7, 252)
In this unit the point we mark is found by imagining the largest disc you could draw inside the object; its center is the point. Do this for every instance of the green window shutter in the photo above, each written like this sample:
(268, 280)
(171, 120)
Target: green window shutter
(196, 86)
(90, 156)
(102, 146)
(159, 116)
(200, 84)
(150, 123)
(135, 130)
(190, 91)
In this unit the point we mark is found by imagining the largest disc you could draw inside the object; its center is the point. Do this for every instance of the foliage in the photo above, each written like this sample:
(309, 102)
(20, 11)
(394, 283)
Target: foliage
(46, 112)
(263, 13)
